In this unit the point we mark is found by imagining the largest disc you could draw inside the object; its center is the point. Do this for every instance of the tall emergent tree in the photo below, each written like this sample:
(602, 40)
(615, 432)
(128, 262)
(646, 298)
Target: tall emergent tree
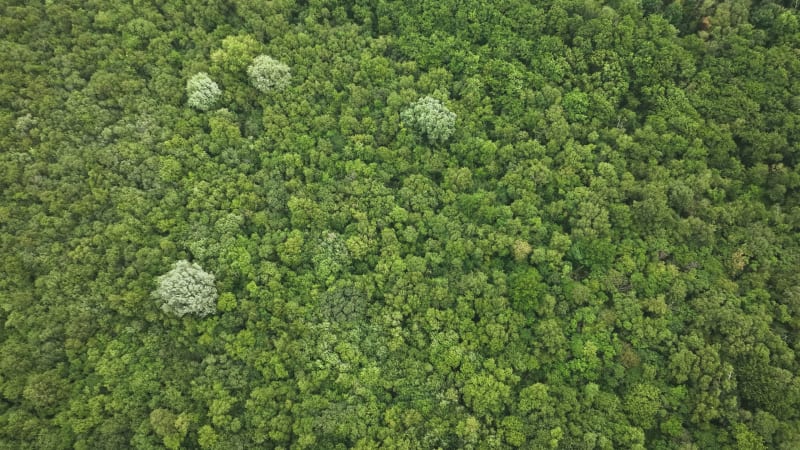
(429, 117)
(203, 92)
(187, 289)
(267, 74)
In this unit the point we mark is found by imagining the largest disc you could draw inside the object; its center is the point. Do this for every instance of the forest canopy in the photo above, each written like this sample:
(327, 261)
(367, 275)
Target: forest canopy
(411, 225)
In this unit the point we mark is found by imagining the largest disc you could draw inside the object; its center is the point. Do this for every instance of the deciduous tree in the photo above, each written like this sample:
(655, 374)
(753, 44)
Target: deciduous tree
(202, 91)
(187, 289)
(430, 118)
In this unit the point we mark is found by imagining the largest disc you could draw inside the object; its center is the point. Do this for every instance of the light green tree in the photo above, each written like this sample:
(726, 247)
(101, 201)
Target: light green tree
(202, 91)
(187, 289)
(429, 117)
(235, 53)
(267, 74)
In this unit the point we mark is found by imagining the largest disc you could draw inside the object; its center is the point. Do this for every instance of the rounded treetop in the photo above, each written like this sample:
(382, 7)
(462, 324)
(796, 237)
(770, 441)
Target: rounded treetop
(187, 289)
(267, 74)
(202, 91)
(429, 117)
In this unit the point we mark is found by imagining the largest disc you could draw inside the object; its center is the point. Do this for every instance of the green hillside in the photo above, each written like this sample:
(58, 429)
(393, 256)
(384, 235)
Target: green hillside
(320, 224)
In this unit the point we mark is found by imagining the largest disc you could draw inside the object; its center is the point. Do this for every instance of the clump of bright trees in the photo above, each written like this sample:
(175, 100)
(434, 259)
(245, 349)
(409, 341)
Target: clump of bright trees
(265, 73)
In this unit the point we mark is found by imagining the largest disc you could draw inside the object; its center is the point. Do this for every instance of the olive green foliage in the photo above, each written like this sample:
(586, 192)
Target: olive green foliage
(202, 91)
(605, 256)
(235, 53)
(186, 289)
(267, 74)
(429, 117)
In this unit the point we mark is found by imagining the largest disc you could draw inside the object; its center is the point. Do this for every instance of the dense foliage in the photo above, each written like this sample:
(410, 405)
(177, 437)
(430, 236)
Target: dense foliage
(603, 254)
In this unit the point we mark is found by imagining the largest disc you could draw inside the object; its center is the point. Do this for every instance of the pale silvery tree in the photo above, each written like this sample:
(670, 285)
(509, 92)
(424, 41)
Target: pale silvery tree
(202, 91)
(267, 74)
(187, 289)
(429, 117)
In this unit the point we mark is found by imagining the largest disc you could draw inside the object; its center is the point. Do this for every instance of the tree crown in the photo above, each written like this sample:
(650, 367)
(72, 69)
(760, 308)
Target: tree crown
(429, 117)
(267, 74)
(187, 289)
(202, 91)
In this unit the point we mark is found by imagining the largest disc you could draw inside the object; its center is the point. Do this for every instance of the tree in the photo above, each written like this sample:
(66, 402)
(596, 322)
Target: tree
(576, 105)
(429, 117)
(485, 394)
(187, 289)
(202, 91)
(235, 53)
(170, 427)
(268, 74)
(642, 404)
